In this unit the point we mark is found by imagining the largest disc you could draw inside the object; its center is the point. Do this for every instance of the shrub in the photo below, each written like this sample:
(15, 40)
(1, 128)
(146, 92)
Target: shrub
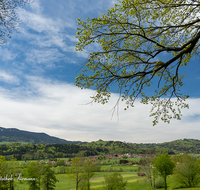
(59, 163)
(62, 170)
(115, 182)
(159, 183)
(123, 161)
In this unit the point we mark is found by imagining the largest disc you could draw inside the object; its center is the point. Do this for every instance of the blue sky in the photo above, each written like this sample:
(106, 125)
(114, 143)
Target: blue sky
(37, 91)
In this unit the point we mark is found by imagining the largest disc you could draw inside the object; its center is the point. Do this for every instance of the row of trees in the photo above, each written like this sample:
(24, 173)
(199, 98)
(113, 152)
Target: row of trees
(37, 175)
(185, 169)
(41, 151)
(82, 170)
(43, 176)
(173, 147)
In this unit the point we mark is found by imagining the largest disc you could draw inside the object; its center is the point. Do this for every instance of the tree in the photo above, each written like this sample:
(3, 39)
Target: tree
(164, 165)
(3, 171)
(89, 167)
(147, 167)
(34, 170)
(82, 170)
(76, 170)
(188, 172)
(115, 182)
(13, 169)
(142, 43)
(8, 17)
(48, 178)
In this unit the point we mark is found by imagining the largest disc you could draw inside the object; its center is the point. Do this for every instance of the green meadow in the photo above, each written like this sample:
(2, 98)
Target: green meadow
(129, 174)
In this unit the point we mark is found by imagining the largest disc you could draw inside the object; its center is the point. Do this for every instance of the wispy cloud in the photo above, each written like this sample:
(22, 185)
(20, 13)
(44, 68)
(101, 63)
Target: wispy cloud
(44, 56)
(60, 109)
(7, 55)
(35, 100)
(8, 78)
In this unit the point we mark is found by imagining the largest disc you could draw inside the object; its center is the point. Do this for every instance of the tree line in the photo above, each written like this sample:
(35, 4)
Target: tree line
(173, 147)
(38, 175)
(83, 169)
(185, 170)
(51, 151)
(41, 151)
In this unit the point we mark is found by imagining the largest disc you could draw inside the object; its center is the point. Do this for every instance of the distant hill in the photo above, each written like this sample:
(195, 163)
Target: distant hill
(16, 135)
(173, 147)
(57, 148)
(100, 146)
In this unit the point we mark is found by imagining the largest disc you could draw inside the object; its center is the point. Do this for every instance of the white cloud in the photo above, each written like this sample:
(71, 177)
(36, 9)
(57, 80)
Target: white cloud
(8, 78)
(36, 7)
(53, 27)
(40, 23)
(7, 55)
(45, 56)
(71, 38)
(41, 30)
(58, 109)
(37, 21)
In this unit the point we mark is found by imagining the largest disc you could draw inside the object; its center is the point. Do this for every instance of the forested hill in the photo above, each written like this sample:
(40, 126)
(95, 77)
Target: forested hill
(100, 146)
(41, 151)
(16, 135)
(177, 146)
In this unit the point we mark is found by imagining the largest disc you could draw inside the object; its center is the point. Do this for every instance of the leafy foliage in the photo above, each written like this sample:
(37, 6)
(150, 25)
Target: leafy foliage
(9, 19)
(34, 171)
(147, 167)
(48, 178)
(164, 165)
(141, 42)
(42, 175)
(54, 151)
(115, 182)
(76, 171)
(89, 167)
(187, 173)
(81, 171)
(3, 171)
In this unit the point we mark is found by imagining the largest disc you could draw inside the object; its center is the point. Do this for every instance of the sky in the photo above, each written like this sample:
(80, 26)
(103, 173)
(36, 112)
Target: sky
(37, 83)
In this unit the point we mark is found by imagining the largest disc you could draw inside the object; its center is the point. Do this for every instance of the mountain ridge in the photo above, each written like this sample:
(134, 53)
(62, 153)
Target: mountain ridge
(21, 136)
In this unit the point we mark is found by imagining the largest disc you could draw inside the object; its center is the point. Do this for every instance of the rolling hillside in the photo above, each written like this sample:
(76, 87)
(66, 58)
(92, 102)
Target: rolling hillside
(16, 135)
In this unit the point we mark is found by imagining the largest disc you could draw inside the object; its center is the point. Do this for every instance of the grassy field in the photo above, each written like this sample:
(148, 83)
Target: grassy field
(129, 174)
